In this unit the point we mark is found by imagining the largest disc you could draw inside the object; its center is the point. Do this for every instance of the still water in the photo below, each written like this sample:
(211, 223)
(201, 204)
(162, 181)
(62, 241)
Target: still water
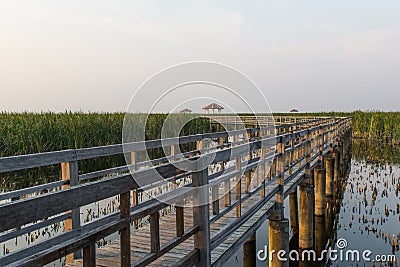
(367, 216)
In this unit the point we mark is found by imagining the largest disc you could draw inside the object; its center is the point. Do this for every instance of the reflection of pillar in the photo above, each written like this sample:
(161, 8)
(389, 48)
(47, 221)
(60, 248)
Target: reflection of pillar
(329, 165)
(304, 263)
(320, 234)
(320, 188)
(306, 195)
(294, 220)
(278, 239)
(249, 252)
(330, 216)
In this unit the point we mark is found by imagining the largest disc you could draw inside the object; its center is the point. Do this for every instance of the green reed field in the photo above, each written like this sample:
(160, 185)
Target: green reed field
(25, 133)
(372, 125)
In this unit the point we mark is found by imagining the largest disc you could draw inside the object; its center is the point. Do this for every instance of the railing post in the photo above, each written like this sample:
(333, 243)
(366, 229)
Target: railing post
(172, 154)
(247, 176)
(201, 214)
(320, 146)
(69, 171)
(180, 219)
(155, 232)
(261, 168)
(135, 193)
(238, 183)
(215, 189)
(125, 242)
(89, 255)
(280, 181)
(227, 183)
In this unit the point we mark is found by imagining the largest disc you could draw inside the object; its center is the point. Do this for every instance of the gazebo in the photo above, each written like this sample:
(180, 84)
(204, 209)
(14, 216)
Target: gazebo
(294, 111)
(185, 111)
(213, 107)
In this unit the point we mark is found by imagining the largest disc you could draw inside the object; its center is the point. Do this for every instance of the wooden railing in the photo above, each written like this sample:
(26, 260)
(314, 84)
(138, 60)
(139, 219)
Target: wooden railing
(270, 157)
(264, 120)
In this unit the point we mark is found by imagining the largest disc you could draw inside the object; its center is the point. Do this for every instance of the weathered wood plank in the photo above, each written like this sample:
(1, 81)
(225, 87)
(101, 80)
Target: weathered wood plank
(44, 206)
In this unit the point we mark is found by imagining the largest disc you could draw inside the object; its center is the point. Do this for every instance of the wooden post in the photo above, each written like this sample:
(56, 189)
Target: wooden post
(291, 156)
(215, 196)
(172, 154)
(135, 193)
(180, 220)
(227, 183)
(155, 232)
(247, 176)
(201, 216)
(238, 184)
(320, 146)
(125, 242)
(69, 171)
(89, 255)
(261, 170)
(215, 199)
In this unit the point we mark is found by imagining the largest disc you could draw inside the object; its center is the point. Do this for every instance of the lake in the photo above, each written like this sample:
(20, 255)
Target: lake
(367, 216)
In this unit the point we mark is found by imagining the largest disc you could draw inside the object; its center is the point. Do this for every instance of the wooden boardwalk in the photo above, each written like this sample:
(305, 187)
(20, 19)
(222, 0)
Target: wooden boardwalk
(244, 176)
(109, 255)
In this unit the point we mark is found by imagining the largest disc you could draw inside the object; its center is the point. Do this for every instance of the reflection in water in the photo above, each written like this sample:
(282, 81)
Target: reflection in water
(365, 212)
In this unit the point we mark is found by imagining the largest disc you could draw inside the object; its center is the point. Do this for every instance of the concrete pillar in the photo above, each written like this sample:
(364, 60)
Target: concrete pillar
(336, 167)
(249, 252)
(294, 209)
(306, 216)
(329, 165)
(278, 239)
(320, 188)
(312, 178)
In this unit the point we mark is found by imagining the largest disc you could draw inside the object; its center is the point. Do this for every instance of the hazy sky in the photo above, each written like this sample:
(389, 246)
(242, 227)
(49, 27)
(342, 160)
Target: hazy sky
(92, 55)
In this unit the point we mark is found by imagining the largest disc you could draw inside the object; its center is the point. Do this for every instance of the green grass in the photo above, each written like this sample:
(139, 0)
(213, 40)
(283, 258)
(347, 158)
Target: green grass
(26, 133)
(372, 125)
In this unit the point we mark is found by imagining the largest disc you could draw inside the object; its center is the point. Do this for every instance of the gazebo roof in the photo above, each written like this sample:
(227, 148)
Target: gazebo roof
(294, 110)
(213, 106)
(186, 110)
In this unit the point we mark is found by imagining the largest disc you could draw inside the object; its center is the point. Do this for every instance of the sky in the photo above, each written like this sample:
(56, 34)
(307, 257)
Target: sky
(93, 55)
